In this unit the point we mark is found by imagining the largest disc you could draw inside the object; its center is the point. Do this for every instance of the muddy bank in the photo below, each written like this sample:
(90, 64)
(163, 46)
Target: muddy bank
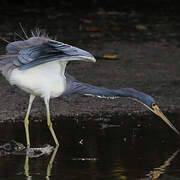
(147, 52)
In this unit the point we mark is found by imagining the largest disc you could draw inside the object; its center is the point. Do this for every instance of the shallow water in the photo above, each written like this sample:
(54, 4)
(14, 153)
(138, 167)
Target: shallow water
(93, 151)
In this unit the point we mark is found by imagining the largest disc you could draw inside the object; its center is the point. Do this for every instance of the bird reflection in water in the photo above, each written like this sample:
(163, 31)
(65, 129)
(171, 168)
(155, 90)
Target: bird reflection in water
(120, 173)
(156, 172)
(49, 166)
(15, 148)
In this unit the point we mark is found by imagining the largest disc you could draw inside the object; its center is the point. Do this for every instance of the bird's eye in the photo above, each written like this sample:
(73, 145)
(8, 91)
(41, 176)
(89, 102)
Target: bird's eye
(153, 105)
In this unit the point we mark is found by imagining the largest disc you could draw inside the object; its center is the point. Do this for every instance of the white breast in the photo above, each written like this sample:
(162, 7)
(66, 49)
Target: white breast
(43, 80)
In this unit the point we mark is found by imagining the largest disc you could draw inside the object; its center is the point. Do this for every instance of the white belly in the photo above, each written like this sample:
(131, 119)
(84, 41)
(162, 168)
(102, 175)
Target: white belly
(46, 80)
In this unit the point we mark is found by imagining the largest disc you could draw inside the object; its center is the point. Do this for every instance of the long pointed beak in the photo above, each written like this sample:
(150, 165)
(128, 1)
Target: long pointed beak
(158, 112)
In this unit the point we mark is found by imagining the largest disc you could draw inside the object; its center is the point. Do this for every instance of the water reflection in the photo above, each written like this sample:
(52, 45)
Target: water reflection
(161, 169)
(16, 148)
(123, 173)
(49, 166)
(89, 152)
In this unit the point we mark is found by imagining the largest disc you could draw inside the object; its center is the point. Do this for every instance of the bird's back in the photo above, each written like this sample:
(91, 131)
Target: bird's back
(7, 61)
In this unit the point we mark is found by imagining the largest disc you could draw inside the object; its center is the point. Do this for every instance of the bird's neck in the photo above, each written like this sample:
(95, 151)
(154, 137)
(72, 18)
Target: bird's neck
(132, 94)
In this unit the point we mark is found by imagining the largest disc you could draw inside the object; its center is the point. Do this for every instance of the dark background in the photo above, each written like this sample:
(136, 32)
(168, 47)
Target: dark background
(8, 6)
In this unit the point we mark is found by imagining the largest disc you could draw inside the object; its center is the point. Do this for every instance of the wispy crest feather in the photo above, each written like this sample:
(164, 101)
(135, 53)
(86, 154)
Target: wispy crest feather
(39, 33)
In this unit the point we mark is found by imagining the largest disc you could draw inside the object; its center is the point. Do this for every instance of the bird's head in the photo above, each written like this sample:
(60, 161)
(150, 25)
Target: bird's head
(151, 104)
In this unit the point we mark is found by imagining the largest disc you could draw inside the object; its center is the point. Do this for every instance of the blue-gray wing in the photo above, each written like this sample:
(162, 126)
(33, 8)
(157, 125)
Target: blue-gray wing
(43, 53)
(38, 50)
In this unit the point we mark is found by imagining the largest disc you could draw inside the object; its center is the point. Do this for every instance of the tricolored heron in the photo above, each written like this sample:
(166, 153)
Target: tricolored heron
(37, 66)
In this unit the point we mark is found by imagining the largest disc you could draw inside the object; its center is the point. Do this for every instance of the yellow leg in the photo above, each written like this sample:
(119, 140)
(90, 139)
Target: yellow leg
(49, 123)
(26, 120)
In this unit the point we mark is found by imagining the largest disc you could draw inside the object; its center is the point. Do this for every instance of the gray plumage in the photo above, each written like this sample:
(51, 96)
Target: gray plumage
(39, 50)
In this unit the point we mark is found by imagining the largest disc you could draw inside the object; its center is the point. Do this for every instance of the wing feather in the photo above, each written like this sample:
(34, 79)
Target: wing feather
(36, 55)
(38, 50)
(16, 46)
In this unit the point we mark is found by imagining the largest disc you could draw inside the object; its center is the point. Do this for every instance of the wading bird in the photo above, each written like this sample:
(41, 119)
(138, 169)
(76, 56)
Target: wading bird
(37, 66)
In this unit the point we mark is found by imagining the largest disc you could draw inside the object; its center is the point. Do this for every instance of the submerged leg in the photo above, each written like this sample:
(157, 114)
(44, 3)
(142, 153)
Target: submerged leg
(49, 123)
(26, 120)
(26, 166)
(50, 164)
